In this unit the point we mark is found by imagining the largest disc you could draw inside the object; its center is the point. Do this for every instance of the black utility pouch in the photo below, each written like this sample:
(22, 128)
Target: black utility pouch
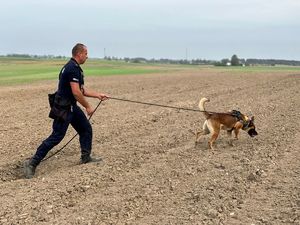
(60, 107)
(51, 98)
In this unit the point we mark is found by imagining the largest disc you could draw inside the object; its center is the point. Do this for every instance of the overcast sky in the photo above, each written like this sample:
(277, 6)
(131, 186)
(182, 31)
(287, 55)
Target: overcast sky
(176, 29)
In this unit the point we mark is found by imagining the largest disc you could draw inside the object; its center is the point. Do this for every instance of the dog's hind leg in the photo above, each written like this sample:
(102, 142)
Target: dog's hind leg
(205, 128)
(214, 129)
(202, 132)
(213, 138)
(198, 136)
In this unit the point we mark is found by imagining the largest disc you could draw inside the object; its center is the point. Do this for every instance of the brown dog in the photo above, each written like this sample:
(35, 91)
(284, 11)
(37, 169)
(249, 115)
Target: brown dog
(231, 121)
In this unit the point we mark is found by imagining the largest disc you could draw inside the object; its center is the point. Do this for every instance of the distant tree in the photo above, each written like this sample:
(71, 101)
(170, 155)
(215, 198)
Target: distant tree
(235, 60)
(135, 60)
(224, 62)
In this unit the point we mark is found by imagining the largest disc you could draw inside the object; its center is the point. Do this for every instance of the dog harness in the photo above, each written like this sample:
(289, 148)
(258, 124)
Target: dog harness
(241, 118)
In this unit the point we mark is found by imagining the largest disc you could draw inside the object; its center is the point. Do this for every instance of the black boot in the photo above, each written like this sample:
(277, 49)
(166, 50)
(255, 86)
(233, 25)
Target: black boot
(29, 168)
(88, 159)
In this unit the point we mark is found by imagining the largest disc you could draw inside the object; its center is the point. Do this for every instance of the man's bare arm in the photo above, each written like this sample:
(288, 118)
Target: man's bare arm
(94, 94)
(80, 97)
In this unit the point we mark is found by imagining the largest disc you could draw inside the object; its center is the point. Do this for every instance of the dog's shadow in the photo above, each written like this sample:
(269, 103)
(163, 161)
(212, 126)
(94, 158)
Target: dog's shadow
(221, 143)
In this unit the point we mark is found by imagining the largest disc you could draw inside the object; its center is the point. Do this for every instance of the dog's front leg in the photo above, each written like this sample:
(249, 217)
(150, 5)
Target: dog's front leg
(236, 134)
(237, 129)
(230, 140)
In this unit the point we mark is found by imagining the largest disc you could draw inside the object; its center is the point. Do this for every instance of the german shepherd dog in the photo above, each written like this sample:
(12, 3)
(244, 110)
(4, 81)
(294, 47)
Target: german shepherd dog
(233, 121)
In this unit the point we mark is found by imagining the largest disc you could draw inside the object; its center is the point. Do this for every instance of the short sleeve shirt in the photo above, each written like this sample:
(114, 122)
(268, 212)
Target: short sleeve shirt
(71, 72)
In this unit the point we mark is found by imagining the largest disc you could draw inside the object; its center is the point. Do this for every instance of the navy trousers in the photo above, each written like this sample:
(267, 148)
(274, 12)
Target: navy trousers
(79, 122)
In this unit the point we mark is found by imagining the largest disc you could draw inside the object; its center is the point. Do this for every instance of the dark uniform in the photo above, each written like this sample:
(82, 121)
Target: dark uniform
(71, 72)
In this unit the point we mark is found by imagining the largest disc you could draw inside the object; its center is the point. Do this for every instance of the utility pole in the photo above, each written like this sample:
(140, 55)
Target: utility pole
(104, 53)
(186, 54)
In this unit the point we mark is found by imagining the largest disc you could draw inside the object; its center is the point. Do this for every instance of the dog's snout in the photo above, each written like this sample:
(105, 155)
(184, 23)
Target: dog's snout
(252, 132)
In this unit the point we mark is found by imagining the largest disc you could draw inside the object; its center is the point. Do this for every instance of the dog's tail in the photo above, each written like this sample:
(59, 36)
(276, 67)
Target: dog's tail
(202, 108)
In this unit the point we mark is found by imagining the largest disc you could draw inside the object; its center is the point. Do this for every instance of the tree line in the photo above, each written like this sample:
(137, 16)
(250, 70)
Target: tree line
(233, 61)
(27, 56)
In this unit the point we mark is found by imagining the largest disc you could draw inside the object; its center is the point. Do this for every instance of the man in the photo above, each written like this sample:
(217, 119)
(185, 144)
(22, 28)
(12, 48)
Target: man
(65, 111)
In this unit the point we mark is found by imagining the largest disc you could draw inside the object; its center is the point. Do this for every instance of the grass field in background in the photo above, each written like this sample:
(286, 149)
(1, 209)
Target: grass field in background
(17, 71)
(20, 70)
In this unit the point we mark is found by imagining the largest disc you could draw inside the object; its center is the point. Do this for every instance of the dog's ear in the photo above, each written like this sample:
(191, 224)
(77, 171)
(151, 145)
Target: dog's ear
(252, 118)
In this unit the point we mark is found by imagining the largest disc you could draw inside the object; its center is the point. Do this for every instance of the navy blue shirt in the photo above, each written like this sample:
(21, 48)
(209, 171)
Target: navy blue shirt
(71, 72)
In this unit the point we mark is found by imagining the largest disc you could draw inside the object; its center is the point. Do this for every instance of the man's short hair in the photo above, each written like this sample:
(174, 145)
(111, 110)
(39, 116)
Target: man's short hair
(78, 48)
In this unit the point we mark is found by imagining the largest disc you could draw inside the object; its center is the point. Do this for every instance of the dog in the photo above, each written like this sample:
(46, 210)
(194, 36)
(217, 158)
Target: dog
(233, 121)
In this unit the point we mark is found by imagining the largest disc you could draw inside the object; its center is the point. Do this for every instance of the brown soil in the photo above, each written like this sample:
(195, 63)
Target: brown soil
(152, 172)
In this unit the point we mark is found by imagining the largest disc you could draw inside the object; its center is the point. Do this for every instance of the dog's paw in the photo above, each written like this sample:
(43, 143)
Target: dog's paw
(191, 131)
(230, 143)
(211, 148)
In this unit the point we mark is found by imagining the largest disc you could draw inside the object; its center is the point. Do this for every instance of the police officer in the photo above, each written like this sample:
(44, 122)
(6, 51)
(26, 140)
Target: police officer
(71, 89)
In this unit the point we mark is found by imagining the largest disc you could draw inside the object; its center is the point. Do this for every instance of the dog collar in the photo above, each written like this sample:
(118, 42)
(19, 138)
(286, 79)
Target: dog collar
(245, 125)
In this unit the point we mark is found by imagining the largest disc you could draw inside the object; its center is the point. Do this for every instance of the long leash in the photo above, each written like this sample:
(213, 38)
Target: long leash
(72, 137)
(159, 105)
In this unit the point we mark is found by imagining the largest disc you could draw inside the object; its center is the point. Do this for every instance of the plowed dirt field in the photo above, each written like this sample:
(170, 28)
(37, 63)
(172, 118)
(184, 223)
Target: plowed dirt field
(152, 172)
